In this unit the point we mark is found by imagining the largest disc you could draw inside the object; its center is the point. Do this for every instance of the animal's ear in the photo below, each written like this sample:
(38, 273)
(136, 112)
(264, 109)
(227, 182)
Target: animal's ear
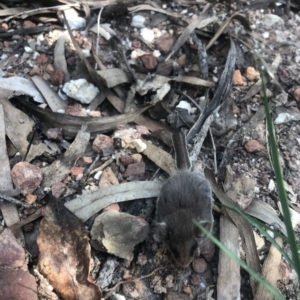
(198, 232)
(160, 231)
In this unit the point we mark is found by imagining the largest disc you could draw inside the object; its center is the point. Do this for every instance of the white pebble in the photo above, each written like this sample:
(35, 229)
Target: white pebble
(98, 175)
(138, 21)
(147, 34)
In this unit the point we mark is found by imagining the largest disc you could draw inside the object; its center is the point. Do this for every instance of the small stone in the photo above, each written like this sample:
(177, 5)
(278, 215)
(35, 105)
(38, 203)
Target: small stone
(297, 94)
(139, 145)
(253, 146)
(35, 71)
(271, 20)
(58, 189)
(165, 68)
(252, 74)
(136, 157)
(75, 110)
(181, 60)
(199, 265)
(126, 160)
(118, 233)
(187, 289)
(26, 177)
(95, 114)
(237, 78)
(284, 272)
(75, 171)
(141, 260)
(3, 27)
(101, 142)
(135, 169)
(136, 290)
(12, 254)
(28, 24)
(176, 296)
(30, 199)
(57, 77)
(114, 206)
(108, 178)
(165, 43)
(149, 61)
(54, 134)
(84, 161)
(42, 59)
(17, 284)
(49, 68)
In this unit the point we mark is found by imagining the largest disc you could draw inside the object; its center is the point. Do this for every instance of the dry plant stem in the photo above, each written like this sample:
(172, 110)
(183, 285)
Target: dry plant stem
(111, 290)
(190, 99)
(202, 55)
(28, 220)
(90, 168)
(200, 138)
(98, 34)
(15, 201)
(102, 167)
(215, 152)
(37, 10)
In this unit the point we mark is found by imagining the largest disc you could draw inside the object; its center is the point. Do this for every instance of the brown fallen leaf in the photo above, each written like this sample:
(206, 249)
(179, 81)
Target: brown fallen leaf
(65, 253)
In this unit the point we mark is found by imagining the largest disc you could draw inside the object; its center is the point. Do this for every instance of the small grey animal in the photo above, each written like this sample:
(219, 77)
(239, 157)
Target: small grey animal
(185, 196)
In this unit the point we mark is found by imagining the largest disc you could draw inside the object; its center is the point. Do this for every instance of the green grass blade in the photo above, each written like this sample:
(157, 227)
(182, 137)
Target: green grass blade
(280, 183)
(255, 275)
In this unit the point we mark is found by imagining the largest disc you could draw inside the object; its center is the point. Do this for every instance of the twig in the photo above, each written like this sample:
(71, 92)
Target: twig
(103, 166)
(40, 10)
(24, 31)
(14, 201)
(98, 33)
(110, 290)
(190, 99)
(215, 152)
(29, 219)
(202, 55)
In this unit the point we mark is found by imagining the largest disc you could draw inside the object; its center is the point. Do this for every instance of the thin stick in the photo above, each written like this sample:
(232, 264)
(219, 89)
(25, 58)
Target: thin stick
(98, 33)
(132, 280)
(103, 166)
(15, 201)
(189, 98)
(40, 9)
(215, 152)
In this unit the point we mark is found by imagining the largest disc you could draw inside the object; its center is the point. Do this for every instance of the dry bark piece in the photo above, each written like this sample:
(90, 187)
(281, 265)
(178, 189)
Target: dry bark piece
(229, 277)
(270, 272)
(118, 233)
(63, 241)
(26, 177)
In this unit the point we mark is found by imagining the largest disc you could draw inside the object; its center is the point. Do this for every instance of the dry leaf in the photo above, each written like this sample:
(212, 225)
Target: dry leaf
(64, 253)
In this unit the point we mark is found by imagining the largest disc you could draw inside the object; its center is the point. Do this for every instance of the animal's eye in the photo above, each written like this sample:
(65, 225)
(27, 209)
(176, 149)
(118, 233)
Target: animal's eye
(175, 252)
(193, 249)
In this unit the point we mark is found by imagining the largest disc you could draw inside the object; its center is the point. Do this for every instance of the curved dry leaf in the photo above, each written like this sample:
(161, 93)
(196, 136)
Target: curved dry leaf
(194, 81)
(199, 23)
(87, 205)
(240, 18)
(65, 253)
(113, 77)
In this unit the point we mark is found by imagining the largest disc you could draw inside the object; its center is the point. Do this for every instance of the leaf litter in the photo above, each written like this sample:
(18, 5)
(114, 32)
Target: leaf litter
(199, 47)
